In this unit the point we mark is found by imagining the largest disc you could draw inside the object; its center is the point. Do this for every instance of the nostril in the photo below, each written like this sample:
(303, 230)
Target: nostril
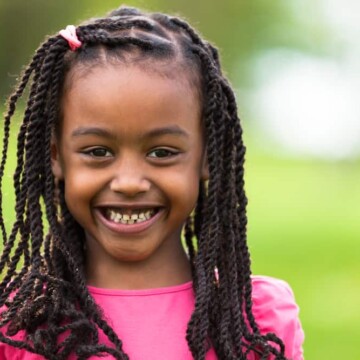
(129, 185)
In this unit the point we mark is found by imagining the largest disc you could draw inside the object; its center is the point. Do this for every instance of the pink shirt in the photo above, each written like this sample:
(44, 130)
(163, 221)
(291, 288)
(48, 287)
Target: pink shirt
(152, 323)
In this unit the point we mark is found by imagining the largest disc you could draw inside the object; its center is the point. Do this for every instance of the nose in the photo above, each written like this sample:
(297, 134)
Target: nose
(129, 179)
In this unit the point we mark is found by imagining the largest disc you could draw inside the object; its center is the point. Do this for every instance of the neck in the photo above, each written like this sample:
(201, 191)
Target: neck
(156, 272)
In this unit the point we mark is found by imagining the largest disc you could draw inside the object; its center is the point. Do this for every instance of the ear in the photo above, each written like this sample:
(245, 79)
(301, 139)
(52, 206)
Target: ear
(204, 167)
(56, 164)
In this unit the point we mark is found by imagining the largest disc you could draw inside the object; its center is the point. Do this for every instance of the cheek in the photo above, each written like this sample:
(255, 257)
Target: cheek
(183, 190)
(80, 189)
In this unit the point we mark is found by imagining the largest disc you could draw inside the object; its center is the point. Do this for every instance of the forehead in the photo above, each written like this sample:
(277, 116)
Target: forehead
(130, 98)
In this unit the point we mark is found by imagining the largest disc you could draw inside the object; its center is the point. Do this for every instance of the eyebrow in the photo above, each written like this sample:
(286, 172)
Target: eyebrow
(81, 131)
(168, 130)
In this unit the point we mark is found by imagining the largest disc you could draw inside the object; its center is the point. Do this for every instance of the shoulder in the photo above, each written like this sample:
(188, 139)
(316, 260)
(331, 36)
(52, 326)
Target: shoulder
(276, 311)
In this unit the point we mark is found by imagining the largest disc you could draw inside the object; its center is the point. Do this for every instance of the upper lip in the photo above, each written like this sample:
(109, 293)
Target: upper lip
(130, 206)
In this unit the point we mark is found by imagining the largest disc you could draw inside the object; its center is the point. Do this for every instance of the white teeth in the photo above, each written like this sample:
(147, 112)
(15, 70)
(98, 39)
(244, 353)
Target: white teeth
(135, 218)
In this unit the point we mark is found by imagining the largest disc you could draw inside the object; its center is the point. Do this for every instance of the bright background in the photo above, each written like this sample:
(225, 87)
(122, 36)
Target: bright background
(295, 68)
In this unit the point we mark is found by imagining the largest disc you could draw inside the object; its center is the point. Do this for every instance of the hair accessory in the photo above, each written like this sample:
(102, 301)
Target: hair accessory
(69, 34)
(216, 274)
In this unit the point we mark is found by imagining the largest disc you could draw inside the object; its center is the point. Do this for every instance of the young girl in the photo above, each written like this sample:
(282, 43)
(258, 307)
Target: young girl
(130, 138)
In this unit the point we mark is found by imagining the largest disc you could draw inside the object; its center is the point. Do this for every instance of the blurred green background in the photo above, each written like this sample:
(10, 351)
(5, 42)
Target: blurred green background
(294, 66)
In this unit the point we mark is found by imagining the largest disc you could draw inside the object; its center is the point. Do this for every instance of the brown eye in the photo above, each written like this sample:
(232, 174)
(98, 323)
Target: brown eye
(161, 153)
(98, 152)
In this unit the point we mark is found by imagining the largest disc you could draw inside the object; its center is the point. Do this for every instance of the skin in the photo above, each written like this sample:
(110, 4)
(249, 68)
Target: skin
(131, 137)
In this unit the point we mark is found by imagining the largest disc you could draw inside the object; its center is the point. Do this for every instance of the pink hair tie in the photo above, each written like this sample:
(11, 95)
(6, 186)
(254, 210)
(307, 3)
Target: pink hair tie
(216, 274)
(69, 34)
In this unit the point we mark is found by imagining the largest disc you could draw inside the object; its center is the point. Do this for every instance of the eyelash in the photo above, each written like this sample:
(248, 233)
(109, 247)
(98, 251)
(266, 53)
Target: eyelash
(170, 153)
(91, 153)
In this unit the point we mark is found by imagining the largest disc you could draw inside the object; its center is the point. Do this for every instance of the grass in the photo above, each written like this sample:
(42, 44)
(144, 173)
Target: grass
(304, 228)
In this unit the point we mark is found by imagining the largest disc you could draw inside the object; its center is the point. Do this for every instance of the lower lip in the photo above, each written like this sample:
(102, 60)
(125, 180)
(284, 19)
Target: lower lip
(131, 228)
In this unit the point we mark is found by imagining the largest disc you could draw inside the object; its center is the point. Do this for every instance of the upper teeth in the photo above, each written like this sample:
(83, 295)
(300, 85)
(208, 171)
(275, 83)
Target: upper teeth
(134, 217)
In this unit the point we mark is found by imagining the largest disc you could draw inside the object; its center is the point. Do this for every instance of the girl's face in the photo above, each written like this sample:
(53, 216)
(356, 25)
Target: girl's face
(131, 154)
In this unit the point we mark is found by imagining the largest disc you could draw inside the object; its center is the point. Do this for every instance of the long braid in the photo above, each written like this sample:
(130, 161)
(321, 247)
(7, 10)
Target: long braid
(51, 287)
(209, 230)
(226, 264)
(19, 186)
(229, 205)
(20, 204)
(7, 120)
(241, 255)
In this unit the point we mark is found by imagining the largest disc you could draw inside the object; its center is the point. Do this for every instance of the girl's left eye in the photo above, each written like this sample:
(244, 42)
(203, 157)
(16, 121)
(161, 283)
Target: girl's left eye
(161, 153)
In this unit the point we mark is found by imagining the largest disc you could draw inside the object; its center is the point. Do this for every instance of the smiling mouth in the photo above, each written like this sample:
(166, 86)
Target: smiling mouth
(129, 216)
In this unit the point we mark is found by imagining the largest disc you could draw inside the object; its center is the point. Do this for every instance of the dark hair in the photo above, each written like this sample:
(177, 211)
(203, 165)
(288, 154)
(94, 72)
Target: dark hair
(43, 291)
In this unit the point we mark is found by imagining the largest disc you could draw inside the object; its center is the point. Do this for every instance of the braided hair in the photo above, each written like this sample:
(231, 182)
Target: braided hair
(43, 290)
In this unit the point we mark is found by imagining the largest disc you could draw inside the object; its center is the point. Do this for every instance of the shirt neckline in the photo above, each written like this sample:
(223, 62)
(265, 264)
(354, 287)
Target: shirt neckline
(141, 292)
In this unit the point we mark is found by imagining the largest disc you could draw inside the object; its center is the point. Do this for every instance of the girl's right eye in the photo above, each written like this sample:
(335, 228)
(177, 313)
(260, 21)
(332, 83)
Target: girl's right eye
(98, 152)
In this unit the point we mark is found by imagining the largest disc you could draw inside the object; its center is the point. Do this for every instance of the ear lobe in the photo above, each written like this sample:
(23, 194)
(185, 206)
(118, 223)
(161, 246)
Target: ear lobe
(56, 165)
